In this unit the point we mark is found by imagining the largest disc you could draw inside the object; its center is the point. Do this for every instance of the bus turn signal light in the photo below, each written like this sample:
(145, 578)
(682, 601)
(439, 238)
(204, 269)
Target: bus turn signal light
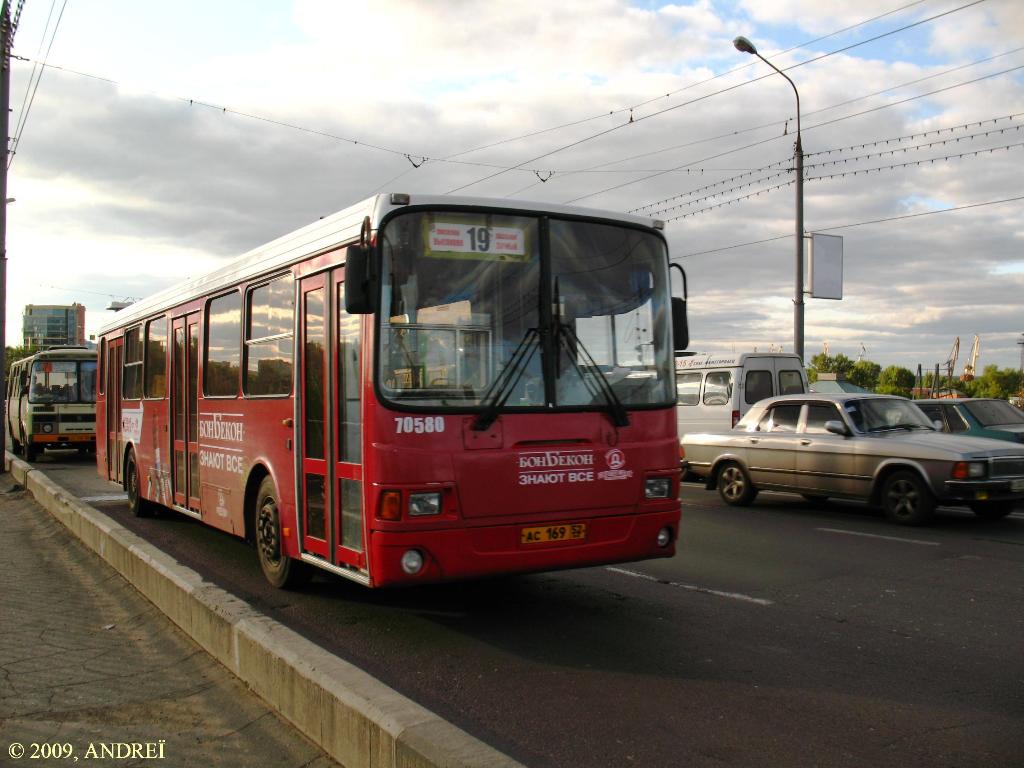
(390, 505)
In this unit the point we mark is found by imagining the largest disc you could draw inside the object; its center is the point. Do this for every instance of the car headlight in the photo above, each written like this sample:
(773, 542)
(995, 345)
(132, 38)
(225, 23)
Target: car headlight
(968, 470)
(657, 487)
(424, 504)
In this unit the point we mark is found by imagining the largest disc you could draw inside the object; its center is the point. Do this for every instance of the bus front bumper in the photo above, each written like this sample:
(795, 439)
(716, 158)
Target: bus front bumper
(466, 553)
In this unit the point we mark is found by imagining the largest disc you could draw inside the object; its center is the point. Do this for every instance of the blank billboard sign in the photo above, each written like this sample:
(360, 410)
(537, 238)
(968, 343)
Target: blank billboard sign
(826, 266)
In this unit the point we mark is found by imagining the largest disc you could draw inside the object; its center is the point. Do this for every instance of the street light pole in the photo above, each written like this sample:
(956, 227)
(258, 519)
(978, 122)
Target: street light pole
(743, 45)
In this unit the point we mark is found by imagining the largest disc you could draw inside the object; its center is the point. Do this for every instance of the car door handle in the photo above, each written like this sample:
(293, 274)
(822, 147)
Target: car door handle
(754, 440)
(805, 442)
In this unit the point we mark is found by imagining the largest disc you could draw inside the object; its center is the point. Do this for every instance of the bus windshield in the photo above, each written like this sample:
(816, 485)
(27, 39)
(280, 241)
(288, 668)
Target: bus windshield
(62, 381)
(468, 307)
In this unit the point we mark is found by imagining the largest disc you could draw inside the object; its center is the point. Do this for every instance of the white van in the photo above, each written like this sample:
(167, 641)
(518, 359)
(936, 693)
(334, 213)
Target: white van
(714, 391)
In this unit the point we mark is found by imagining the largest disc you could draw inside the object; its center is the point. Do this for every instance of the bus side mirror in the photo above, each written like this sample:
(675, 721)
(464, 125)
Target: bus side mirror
(680, 329)
(360, 285)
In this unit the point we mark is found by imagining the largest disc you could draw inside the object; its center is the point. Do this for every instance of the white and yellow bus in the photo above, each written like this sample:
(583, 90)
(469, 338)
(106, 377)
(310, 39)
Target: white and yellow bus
(51, 401)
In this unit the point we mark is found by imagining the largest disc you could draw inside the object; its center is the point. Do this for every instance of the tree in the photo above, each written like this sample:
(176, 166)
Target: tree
(996, 382)
(822, 363)
(865, 373)
(14, 354)
(896, 380)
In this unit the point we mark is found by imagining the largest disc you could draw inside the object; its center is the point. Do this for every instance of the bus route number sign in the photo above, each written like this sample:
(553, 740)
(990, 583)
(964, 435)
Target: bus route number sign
(455, 240)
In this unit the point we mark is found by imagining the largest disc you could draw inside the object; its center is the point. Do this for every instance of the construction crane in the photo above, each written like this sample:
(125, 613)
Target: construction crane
(954, 353)
(970, 367)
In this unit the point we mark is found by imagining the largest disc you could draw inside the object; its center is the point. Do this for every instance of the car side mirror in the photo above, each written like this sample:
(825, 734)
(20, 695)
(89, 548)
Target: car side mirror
(836, 428)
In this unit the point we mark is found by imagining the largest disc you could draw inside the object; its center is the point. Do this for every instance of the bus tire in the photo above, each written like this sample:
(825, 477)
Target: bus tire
(280, 570)
(133, 487)
(28, 451)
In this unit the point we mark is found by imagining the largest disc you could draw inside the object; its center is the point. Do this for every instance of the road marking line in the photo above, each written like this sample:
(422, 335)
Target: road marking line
(107, 497)
(879, 536)
(692, 587)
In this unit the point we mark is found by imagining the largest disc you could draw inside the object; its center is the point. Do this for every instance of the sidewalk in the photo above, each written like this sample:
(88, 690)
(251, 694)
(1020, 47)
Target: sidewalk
(90, 666)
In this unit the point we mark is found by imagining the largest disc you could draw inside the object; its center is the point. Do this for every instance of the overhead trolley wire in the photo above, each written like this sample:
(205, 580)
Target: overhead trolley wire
(34, 79)
(823, 163)
(851, 225)
(805, 129)
(709, 95)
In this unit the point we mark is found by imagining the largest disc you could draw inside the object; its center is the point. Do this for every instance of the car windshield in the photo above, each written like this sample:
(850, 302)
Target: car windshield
(991, 413)
(883, 413)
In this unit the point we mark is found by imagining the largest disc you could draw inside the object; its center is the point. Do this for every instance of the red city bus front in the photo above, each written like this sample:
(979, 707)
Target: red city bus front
(522, 408)
(533, 492)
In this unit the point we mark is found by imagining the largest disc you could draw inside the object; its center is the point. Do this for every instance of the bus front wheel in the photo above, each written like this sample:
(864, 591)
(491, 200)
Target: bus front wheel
(28, 451)
(281, 571)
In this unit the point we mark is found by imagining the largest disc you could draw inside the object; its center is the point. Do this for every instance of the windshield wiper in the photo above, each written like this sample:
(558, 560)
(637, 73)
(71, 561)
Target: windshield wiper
(500, 389)
(616, 410)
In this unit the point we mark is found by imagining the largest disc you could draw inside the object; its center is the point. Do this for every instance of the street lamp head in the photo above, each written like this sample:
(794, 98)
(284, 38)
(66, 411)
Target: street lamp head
(744, 46)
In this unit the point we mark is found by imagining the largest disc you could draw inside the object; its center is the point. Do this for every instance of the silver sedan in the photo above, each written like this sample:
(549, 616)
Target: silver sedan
(876, 448)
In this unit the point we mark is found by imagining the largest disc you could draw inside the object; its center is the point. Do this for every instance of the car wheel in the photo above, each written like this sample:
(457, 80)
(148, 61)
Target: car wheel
(992, 510)
(281, 571)
(906, 499)
(814, 498)
(133, 487)
(734, 485)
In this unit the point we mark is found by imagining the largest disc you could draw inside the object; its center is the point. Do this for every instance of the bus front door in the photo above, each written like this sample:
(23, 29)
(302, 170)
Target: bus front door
(330, 396)
(185, 410)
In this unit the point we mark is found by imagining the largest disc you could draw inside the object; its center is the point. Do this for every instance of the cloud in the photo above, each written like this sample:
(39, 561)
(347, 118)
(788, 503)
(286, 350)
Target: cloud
(124, 189)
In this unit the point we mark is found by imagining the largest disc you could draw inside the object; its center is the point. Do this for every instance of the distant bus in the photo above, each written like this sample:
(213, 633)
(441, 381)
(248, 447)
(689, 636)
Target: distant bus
(51, 401)
(415, 389)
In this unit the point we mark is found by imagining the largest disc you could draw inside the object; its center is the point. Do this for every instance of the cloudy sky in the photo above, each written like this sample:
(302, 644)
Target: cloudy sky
(164, 138)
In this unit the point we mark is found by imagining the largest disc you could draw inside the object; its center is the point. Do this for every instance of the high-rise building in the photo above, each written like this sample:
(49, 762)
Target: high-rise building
(52, 325)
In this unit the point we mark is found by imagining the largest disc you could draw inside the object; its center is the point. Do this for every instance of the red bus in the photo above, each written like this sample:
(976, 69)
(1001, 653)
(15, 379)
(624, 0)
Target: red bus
(414, 389)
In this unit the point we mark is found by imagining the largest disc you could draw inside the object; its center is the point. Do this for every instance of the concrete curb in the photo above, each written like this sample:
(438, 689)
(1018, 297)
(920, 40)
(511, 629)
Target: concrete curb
(356, 719)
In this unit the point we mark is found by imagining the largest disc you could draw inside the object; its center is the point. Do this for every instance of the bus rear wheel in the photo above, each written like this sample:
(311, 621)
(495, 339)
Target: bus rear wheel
(133, 487)
(281, 571)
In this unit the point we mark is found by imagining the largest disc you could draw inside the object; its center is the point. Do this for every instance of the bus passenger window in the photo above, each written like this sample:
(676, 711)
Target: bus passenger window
(223, 336)
(269, 338)
(156, 358)
(131, 384)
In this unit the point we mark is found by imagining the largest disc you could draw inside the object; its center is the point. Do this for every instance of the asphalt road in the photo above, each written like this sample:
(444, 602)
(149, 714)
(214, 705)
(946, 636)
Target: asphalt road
(783, 634)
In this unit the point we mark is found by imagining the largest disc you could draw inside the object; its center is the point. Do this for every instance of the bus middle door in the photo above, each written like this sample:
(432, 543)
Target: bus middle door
(185, 410)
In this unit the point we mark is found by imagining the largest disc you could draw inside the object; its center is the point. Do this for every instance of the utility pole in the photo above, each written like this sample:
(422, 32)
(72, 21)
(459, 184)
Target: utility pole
(6, 36)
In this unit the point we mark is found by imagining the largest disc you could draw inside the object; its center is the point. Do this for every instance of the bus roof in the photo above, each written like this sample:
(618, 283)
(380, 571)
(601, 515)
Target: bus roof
(330, 232)
(62, 353)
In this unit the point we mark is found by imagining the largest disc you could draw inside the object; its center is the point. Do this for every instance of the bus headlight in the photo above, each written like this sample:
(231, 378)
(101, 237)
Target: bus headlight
(412, 561)
(657, 487)
(47, 428)
(664, 537)
(424, 504)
